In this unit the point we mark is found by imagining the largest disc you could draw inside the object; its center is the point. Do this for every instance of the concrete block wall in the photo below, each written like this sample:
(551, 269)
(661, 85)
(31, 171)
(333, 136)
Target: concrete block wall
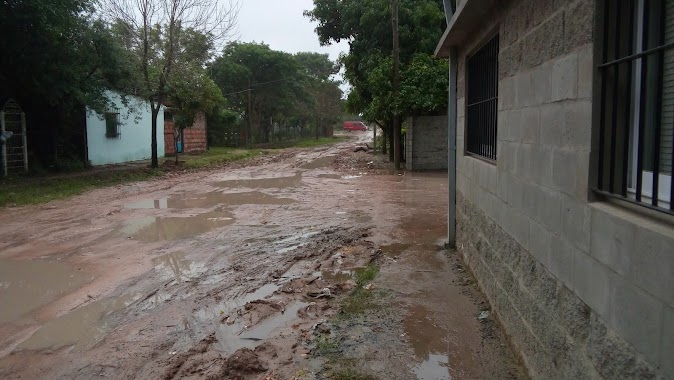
(426, 143)
(584, 289)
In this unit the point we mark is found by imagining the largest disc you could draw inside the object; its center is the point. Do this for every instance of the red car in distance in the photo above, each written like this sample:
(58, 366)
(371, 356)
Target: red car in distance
(354, 126)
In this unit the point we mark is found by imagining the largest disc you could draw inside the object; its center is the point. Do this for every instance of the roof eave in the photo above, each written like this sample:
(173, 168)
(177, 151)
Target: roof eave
(467, 18)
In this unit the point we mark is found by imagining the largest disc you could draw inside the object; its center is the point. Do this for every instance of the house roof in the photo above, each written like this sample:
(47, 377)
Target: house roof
(466, 20)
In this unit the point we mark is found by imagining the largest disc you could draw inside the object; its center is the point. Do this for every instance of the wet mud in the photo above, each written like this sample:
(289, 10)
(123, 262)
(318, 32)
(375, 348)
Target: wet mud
(243, 274)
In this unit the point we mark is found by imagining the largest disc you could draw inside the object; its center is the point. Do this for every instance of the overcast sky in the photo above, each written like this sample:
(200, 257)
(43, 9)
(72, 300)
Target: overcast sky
(282, 25)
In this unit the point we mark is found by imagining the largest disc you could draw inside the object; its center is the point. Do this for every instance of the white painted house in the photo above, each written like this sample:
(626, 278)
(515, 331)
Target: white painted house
(124, 133)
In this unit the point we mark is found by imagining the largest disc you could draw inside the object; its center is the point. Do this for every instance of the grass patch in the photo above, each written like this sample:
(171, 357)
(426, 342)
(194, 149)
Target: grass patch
(361, 299)
(217, 156)
(28, 191)
(325, 345)
(308, 143)
(365, 275)
(349, 374)
(302, 143)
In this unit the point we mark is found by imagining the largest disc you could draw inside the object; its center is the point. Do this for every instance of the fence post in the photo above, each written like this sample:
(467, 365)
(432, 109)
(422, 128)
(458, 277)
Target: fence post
(25, 142)
(4, 146)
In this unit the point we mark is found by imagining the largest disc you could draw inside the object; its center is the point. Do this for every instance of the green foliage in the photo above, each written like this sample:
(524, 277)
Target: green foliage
(325, 345)
(366, 274)
(317, 66)
(223, 128)
(290, 95)
(349, 374)
(361, 299)
(369, 66)
(55, 53)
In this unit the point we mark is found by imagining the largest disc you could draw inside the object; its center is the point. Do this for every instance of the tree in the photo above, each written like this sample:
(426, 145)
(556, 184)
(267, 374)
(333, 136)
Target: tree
(317, 66)
(368, 66)
(191, 93)
(167, 38)
(261, 84)
(55, 58)
(56, 52)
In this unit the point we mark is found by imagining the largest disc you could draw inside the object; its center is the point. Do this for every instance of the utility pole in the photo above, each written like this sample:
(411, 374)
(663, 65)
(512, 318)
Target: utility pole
(250, 119)
(396, 81)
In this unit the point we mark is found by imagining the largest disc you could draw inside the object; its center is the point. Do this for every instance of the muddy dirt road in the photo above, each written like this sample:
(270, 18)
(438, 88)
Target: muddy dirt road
(242, 273)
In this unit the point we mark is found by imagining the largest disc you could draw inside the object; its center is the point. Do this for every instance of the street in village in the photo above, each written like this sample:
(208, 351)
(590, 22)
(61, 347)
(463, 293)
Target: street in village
(301, 264)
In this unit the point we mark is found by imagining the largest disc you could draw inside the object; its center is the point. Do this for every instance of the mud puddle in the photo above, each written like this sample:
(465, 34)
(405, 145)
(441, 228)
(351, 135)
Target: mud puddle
(26, 285)
(330, 176)
(234, 337)
(176, 266)
(336, 276)
(429, 343)
(263, 183)
(319, 163)
(293, 242)
(210, 199)
(148, 204)
(154, 229)
(81, 328)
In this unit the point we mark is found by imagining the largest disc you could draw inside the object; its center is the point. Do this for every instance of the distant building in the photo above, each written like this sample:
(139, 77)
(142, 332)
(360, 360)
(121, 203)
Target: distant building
(562, 113)
(123, 133)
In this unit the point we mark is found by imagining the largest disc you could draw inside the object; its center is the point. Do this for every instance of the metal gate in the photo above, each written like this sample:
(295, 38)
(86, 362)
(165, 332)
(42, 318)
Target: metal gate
(15, 149)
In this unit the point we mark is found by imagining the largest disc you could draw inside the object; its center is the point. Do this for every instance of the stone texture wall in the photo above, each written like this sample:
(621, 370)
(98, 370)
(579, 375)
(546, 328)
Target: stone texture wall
(426, 143)
(195, 139)
(585, 290)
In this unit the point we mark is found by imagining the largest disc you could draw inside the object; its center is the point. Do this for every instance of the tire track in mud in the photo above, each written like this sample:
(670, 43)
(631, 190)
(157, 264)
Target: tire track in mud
(256, 320)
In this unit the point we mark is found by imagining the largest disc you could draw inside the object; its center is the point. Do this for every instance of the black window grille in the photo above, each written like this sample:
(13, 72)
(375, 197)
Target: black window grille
(482, 100)
(634, 141)
(112, 130)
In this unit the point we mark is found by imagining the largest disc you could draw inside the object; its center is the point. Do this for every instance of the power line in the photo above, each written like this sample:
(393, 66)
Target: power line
(256, 85)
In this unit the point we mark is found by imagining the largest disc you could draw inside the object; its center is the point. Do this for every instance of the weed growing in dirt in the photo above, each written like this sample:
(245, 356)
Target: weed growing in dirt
(365, 275)
(349, 374)
(361, 298)
(325, 345)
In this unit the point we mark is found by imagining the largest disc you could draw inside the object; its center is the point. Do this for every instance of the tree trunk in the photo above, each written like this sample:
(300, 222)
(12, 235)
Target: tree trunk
(391, 144)
(383, 141)
(155, 112)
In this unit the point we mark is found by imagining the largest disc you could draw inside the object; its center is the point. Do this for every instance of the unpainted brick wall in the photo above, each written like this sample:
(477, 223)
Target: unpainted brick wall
(194, 138)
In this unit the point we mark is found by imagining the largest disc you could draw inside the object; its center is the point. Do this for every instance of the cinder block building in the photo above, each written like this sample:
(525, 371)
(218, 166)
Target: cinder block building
(560, 157)
(426, 143)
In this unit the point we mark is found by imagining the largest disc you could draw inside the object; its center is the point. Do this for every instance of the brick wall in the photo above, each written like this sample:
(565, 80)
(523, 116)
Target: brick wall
(584, 290)
(194, 138)
(426, 143)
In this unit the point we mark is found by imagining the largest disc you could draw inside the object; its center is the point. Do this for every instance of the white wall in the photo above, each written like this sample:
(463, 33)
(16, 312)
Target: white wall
(136, 133)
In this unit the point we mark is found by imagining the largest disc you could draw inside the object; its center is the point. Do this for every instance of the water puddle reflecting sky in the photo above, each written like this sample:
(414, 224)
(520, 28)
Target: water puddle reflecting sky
(429, 343)
(154, 229)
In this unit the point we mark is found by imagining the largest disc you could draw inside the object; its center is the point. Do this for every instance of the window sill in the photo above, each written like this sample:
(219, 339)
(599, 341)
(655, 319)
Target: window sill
(635, 213)
(480, 158)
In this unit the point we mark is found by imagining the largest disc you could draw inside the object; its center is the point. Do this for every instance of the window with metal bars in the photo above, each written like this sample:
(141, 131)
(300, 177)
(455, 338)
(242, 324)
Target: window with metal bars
(482, 100)
(634, 141)
(112, 130)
